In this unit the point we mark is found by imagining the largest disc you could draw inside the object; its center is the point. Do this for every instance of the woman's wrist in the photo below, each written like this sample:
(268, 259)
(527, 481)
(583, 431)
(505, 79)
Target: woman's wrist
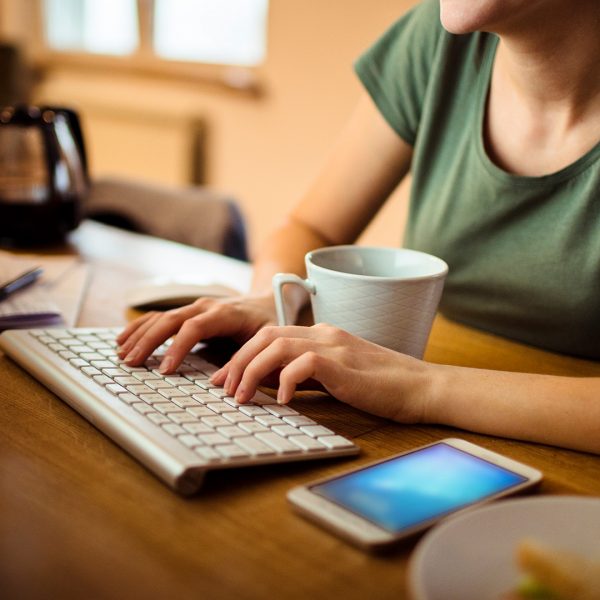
(434, 392)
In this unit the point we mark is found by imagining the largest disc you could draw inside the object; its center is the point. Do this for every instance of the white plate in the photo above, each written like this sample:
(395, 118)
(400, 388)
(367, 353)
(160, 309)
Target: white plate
(471, 556)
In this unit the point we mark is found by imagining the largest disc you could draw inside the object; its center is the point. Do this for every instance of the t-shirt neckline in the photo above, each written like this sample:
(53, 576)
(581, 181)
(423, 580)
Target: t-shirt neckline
(571, 170)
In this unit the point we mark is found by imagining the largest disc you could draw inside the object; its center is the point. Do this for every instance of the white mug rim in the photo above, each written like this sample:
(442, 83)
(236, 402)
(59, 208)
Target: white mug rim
(379, 278)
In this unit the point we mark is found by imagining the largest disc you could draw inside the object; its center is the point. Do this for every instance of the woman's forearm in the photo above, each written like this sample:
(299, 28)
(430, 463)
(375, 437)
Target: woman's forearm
(561, 411)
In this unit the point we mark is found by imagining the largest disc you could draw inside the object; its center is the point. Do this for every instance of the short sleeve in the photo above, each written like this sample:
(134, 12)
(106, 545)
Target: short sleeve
(395, 70)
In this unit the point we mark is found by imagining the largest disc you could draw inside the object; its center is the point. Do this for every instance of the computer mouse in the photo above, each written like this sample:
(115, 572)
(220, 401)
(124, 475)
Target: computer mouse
(164, 294)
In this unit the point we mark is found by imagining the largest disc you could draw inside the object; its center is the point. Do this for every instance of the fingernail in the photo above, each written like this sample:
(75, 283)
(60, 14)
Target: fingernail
(166, 364)
(215, 376)
(227, 384)
(124, 349)
(239, 394)
(133, 355)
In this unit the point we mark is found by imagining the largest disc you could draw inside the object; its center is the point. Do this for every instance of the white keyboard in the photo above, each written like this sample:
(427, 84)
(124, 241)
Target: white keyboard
(179, 426)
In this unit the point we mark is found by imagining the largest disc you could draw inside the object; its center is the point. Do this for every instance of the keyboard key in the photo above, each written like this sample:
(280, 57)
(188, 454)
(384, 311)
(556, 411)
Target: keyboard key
(237, 417)
(252, 427)
(219, 392)
(269, 420)
(142, 407)
(151, 398)
(182, 417)
(263, 399)
(144, 375)
(204, 398)
(307, 443)
(115, 372)
(252, 411)
(157, 418)
(115, 388)
(90, 371)
(315, 430)
(278, 443)
(281, 411)
(177, 380)
(166, 408)
(221, 407)
(231, 431)
(129, 369)
(200, 411)
(207, 454)
(298, 421)
(184, 401)
(231, 451)
(336, 441)
(128, 398)
(170, 392)
(82, 349)
(91, 356)
(213, 439)
(205, 384)
(286, 430)
(191, 375)
(214, 421)
(197, 428)
(190, 389)
(189, 440)
(102, 379)
(124, 380)
(102, 364)
(254, 446)
(157, 384)
(139, 388)
(173, 429)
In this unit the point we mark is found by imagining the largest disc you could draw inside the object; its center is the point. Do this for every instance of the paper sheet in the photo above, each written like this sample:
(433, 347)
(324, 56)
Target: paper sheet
(54, 299)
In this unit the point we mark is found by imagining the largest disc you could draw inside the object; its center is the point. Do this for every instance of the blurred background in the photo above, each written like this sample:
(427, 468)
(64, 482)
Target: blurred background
(244, 96)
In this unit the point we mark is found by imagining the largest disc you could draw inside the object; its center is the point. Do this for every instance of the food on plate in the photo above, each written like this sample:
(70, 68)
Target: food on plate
(554, 574)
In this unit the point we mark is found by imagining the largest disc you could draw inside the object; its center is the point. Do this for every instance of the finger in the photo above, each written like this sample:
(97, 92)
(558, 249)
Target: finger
(310, 365)
(203, 326)
(280, 352)
(156, 332)
(133, 326)
(135, 336)
(266, 336)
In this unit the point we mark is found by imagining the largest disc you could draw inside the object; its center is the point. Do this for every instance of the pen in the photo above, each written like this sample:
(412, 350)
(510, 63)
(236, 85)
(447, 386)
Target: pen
(19, 282)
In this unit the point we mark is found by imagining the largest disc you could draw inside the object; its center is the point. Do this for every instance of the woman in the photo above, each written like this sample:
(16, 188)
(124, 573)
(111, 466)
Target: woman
(496, 113)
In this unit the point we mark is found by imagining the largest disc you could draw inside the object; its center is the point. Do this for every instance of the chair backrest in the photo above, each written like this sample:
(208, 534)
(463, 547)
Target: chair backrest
(197, 216)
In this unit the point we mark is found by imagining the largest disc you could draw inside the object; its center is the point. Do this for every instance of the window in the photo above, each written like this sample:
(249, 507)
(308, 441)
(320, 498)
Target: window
(95, 26)
(225, 32)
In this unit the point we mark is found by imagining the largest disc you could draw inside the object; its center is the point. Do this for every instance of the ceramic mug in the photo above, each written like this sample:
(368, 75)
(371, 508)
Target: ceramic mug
(385, 295)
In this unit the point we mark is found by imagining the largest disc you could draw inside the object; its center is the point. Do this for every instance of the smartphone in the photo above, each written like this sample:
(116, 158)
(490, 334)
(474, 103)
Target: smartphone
(398, 497)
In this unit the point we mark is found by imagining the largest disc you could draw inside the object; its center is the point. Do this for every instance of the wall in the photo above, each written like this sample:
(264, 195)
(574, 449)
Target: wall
(263, 150)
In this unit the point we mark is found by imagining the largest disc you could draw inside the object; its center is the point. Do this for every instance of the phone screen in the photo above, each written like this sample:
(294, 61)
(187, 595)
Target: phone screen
(413, 488)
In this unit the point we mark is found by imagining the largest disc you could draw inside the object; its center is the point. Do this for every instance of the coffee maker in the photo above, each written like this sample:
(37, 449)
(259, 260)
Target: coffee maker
(43, 174)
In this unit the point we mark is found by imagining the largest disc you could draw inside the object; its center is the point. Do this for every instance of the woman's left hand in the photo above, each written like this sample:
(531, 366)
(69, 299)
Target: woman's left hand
(360, 373)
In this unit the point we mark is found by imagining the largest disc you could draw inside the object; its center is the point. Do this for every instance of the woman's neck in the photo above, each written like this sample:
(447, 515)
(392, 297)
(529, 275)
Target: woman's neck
(554, 64)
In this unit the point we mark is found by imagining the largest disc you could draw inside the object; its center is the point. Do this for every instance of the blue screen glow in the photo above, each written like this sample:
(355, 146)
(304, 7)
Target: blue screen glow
(408, 490)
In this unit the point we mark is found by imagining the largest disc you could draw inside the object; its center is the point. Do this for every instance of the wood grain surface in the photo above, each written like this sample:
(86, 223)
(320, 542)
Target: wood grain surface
(80, 518)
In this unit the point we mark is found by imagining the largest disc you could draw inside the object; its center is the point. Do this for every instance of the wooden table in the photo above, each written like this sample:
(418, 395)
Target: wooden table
(79, 518)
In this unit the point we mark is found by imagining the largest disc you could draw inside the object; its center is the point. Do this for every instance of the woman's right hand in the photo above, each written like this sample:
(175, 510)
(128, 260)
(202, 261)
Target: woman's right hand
(238, 318)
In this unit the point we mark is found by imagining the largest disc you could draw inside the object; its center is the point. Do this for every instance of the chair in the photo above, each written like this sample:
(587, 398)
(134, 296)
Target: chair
(196, 216)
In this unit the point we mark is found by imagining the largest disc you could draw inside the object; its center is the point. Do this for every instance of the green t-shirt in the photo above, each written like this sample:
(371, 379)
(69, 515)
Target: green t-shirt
(523, 252)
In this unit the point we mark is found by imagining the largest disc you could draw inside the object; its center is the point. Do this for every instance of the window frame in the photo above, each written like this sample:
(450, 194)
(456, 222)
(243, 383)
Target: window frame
(144, 62)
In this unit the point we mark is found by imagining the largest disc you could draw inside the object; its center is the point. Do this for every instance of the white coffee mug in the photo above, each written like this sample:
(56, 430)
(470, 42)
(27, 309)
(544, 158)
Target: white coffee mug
(385, 295)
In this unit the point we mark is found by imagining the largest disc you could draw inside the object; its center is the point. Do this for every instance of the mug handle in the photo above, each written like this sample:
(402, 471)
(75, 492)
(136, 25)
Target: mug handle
(279, 280)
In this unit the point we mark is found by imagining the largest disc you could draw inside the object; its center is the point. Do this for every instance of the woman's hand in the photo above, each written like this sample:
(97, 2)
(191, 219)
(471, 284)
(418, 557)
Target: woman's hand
(351, 369)
(238, 318)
